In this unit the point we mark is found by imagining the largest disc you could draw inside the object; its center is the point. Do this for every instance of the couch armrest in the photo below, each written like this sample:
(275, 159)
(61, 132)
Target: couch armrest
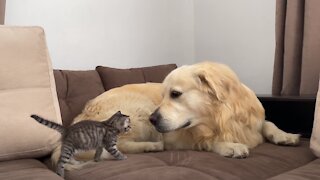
(292, 114)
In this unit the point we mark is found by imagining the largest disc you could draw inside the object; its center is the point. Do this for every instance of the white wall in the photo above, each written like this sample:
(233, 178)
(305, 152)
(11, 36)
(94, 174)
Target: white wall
(118, 33)
(131, 33)
(240, 33)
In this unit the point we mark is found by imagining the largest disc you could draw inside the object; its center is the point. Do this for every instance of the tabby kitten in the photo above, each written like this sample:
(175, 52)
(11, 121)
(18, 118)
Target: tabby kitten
(88, 135)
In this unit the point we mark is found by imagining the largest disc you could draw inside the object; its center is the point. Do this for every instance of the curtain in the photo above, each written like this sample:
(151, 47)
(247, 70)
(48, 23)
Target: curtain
(2, 8)
(297, 54)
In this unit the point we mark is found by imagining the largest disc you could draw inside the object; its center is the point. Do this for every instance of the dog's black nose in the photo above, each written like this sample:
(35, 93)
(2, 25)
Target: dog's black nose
(155, 117)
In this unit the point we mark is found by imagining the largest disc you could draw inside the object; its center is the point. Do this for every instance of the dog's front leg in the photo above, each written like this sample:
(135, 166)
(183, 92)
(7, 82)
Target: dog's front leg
(205, 141)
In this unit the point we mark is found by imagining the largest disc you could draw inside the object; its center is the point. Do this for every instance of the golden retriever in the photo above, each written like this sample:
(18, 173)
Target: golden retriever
(197, 107)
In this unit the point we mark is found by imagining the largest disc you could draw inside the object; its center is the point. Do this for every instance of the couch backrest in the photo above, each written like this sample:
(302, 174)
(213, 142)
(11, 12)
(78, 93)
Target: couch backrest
(76, 88)
(114, 77)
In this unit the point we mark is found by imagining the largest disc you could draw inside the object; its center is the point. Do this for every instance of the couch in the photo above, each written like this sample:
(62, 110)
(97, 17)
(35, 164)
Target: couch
(267, 161)
(72, 89)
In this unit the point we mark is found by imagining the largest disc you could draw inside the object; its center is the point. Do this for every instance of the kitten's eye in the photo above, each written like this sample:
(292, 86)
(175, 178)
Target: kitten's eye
(175, 94)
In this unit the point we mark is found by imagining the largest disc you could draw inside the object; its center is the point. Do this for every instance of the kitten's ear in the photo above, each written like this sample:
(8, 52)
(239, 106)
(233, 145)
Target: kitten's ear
(115, 115)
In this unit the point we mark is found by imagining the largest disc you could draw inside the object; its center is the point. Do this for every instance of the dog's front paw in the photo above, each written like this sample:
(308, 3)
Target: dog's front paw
(154, 147)
(75, 162)
(232, 150)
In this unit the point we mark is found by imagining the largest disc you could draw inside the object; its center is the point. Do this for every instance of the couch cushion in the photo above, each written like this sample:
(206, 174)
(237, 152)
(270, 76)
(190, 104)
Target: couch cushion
(267, 160)
(315, 137)
(112, 77)
(26, 169)
(309, 171)
(26, 87)
(74, 89)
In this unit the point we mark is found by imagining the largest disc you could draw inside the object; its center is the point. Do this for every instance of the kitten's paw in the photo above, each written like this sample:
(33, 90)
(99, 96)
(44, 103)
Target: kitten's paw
(105, 155)
(60, 172)
(123, 157)
(232, 150)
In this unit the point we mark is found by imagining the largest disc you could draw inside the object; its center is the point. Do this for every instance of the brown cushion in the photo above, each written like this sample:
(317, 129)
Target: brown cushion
(74, 89)
(309, 171)
(112, 77)
(265, 161)
(26, 169)
(315, 136)
(26, 87)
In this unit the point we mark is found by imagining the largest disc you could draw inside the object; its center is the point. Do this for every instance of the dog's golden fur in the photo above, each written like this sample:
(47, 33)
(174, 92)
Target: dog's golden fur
(221, 114)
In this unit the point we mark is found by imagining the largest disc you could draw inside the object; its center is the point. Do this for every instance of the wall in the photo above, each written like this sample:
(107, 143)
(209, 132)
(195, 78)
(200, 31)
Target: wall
(240, 34)
(132, 33)
(116, 33)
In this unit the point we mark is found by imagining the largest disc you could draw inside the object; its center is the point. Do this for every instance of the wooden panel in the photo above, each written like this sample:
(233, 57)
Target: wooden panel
(294, 114)
(2, 10)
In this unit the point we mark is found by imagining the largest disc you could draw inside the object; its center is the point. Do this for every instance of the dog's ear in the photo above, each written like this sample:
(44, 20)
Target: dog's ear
(216, 88)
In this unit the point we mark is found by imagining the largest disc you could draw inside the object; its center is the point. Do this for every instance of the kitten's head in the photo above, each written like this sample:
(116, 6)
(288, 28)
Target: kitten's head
(120, 122)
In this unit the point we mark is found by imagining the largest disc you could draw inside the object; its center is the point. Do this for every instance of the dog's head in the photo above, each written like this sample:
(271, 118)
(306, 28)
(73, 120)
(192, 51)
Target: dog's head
(190, 95)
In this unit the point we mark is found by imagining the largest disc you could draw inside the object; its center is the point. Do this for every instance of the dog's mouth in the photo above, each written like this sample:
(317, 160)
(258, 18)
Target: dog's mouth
(185, 125)
(165, 130)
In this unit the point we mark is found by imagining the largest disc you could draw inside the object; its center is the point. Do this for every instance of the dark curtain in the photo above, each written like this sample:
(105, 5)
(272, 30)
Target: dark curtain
(2, 9)
(297, 55)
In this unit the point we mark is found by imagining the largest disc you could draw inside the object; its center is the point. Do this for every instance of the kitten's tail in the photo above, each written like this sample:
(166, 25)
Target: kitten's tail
(48, 123)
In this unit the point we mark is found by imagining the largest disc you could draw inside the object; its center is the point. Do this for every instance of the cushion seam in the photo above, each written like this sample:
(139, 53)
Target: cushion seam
(22, 152)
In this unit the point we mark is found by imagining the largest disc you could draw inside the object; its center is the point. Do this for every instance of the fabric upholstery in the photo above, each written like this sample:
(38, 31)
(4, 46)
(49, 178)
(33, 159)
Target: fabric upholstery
(315, 136)
(297, 65)
(75, 89)
(266, 161)
(26, 169)
(112, 77)
(26, 87)
(306, 172)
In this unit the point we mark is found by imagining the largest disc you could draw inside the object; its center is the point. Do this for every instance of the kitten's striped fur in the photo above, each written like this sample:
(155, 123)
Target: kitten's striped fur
(88, 135)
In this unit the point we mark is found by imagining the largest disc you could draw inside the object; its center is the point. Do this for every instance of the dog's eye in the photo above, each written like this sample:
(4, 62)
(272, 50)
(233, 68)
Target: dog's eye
(175, 94)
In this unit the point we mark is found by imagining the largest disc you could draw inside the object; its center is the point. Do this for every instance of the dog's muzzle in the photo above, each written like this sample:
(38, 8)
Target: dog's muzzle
(155, 118)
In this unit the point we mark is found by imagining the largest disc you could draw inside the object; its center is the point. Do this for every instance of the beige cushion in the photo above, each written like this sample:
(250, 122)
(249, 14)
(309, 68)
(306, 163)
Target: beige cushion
(315, 137)
(26, 86)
